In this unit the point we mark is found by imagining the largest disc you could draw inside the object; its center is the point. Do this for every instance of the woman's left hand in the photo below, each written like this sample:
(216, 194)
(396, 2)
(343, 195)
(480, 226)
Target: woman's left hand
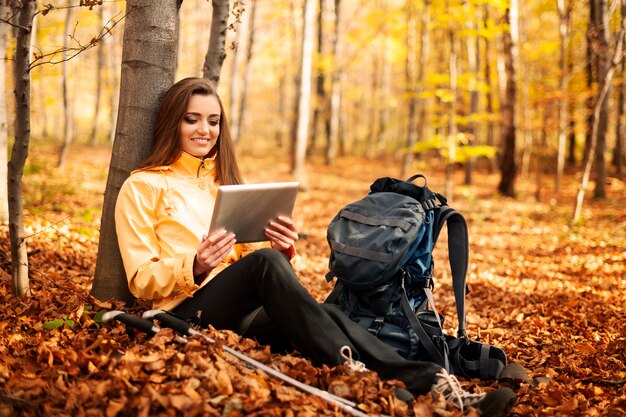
(282, 233)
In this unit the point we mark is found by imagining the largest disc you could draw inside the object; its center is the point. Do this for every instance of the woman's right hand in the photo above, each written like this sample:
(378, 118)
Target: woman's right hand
(212, 250)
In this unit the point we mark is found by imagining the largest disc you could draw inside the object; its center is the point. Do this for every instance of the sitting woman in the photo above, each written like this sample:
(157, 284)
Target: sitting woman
(163, 210)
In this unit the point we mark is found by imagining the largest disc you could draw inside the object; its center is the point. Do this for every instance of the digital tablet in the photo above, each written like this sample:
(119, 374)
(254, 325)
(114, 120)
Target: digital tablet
(247, 209)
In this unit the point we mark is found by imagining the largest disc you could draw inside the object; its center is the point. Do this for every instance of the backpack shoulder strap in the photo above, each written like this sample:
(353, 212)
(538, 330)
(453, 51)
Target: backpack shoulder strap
(438, 355)
(458, 252)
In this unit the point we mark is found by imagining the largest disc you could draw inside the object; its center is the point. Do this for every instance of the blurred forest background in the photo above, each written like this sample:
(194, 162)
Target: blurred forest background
(402, 78)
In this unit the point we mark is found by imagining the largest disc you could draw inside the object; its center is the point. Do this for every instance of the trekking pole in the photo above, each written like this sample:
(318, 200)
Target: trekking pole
(142, 325)
(183, 327)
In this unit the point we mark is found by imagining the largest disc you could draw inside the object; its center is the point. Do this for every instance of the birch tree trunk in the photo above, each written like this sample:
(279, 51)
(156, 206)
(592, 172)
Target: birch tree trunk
(216, 54)
(5, 13)
(304, 106)
(563, 116)
(68, 106)
(148, 70)
(20, 285)
(507, 164)
(335, 87)
(235, 78)
(248, 60)
(99, 76)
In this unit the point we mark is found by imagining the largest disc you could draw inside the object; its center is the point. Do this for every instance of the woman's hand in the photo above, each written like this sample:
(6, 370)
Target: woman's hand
(212, 250)
(282, 233)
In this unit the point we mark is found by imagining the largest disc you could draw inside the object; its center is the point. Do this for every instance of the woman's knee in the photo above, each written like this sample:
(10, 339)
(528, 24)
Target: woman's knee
(270, 256)
(273, 265)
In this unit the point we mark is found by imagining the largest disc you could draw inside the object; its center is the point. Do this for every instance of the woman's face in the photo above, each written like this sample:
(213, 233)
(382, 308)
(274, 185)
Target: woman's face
(200, 126)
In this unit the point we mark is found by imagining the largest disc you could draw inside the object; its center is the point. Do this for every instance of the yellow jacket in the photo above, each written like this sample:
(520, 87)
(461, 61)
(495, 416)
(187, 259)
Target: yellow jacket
(160, 216)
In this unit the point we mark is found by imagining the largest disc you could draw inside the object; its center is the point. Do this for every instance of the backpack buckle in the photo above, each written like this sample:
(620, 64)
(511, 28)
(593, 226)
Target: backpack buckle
(376, 325)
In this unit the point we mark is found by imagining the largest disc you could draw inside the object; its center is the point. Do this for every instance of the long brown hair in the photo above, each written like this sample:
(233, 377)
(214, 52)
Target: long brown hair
(167, 148)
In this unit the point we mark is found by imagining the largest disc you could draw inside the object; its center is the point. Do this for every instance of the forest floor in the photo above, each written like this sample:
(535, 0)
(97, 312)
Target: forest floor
(551, 294)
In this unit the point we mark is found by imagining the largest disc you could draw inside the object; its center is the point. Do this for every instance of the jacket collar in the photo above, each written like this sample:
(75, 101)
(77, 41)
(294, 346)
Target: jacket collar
(188, 164)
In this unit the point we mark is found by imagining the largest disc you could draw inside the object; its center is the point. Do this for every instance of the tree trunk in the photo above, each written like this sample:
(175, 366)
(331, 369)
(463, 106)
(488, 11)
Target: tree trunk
(235, 79)
(490, 134)
(19, 257)
(591, 67)
(424, 102)
(508, 169)
(216, 54)
(604, 66)
(99, 76)
(68, 105)
(571, 136)
(335, 87)
(148, 70)
(473, 58)
(411, 88)
(452, 127)
(563, 11)
(608, 69)
(113, 70)
(320, 82)
(5, 13)
(619, 154)
(304, 106)
(248, 60)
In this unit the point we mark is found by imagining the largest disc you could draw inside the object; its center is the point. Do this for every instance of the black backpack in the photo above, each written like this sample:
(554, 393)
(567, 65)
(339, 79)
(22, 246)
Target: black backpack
(381, 254)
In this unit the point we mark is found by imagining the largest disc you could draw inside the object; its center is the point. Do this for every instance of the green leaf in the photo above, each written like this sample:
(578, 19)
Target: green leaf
(54, 324)
(98, 316)
(69, 323)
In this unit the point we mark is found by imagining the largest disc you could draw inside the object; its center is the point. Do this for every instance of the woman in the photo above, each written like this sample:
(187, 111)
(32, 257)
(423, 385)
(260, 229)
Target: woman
(164, 208)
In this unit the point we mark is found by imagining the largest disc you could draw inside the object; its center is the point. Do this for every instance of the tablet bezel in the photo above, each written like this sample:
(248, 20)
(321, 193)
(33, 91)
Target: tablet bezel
(234, 204)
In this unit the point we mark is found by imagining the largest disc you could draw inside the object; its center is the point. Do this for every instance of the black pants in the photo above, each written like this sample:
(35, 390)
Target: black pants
(290, 314)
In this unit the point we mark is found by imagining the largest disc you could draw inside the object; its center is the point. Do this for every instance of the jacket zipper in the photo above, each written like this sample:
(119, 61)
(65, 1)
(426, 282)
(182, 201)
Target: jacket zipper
(199, 168)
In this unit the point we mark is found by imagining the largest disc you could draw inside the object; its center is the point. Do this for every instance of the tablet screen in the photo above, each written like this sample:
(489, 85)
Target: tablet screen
(247, 209)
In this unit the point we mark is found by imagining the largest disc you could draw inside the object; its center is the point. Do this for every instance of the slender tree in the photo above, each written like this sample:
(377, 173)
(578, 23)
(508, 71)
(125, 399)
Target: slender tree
(252, 6)
(335, 86)
(619, 153)
(607, 70)
(411, 87)
(490, 129)
(235, 86)
(5, 13)
(319, 107)
(68, 105)
(452, 126)
(422, 66)
(473, 60)
(303, 115)
(19, 258)
(507, 165)
(148, 70)
(564, 18)
(605, 66)
(216, 53)
(99, 77)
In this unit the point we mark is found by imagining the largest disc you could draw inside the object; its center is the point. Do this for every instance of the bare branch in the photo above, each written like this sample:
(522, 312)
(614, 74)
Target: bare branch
(49, 58)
